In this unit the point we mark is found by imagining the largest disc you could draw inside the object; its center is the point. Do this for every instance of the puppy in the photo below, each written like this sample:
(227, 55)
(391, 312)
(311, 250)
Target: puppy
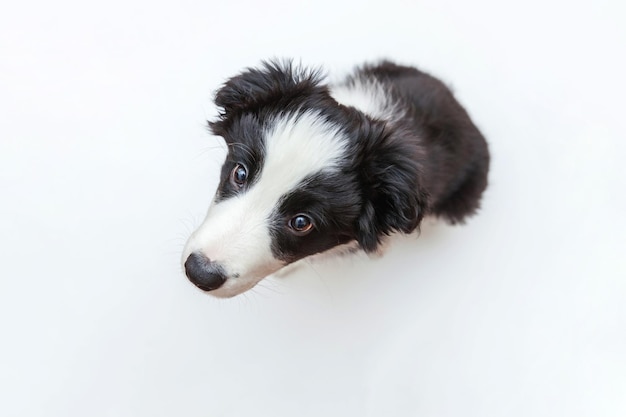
(312, 167)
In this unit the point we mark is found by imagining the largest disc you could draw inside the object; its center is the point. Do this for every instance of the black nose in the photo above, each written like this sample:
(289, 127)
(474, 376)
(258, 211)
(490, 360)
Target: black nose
(205, 274)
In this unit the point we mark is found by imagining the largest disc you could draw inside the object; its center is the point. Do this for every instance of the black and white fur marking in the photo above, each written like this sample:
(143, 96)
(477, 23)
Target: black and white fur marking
(311, 167)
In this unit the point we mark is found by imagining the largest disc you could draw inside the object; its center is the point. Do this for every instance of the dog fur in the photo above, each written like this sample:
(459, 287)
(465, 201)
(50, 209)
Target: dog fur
(351, 163)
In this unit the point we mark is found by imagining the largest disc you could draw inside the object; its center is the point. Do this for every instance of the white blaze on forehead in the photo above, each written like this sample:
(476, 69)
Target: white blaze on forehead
(236, 231)
(296, 148)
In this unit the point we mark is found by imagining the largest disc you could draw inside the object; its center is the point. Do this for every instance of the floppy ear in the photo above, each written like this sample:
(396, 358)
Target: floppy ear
(390, 172)
(273, 80)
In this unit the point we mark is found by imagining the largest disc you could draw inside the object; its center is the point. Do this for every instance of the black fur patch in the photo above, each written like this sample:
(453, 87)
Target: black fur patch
(245, 144)
(332, 200)
(455, 158)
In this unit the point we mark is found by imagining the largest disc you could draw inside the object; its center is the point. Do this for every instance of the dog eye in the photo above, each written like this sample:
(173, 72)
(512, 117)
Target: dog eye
(239, 176)
(301, 224)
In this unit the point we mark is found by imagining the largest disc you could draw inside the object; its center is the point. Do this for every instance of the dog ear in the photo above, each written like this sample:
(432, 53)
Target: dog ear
(273, 80)
(394, 200)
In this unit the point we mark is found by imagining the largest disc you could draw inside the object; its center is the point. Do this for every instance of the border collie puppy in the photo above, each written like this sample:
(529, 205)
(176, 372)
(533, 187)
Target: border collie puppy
(312, 167)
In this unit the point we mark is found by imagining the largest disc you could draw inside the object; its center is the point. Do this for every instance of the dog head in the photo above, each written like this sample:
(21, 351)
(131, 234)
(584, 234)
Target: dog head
(303, 174)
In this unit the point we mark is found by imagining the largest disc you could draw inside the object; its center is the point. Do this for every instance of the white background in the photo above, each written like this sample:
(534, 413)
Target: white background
(106, 166)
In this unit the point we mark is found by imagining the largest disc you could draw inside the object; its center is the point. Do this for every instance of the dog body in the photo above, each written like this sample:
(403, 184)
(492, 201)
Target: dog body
(312, 167)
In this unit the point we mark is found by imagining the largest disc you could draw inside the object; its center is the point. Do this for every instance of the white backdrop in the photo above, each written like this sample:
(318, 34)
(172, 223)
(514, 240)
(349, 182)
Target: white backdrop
(106, 166)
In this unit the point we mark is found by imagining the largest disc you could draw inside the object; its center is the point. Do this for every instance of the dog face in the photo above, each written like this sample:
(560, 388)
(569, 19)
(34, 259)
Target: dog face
(303, 175)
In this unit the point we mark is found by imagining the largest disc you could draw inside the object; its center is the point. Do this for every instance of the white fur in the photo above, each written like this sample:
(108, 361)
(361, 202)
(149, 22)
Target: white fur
(368, 96)
(236, 233)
